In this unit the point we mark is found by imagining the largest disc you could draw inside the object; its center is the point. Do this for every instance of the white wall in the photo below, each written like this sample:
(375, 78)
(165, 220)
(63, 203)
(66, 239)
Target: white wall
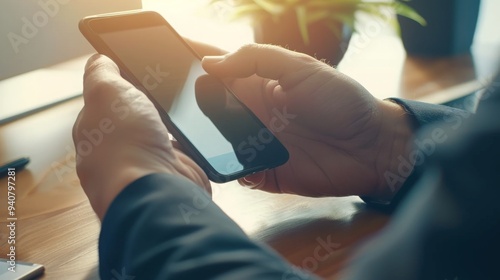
(38, 33)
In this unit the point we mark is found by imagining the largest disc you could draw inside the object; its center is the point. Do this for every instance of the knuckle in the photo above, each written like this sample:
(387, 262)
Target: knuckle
(247, 48)
(305, 58)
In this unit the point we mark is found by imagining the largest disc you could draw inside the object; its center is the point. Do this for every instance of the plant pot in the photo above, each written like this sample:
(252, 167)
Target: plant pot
(323, 42)
(450, 28)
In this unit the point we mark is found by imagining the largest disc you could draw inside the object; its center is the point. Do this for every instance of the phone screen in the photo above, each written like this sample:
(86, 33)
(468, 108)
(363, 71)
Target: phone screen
(226, 134)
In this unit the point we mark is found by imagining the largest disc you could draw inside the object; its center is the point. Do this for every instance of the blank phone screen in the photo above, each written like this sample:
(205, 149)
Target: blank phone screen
(223, 131)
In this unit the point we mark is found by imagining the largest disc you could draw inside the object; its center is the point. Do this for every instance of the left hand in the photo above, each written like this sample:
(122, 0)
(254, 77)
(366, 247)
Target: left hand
(119, 137)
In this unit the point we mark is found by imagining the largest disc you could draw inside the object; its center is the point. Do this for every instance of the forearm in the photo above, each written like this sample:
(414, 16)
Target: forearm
(448, 227)
(165, 227)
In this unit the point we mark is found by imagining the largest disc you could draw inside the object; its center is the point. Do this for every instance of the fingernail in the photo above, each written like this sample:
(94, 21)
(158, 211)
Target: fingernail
(254, 180)
(213, 59)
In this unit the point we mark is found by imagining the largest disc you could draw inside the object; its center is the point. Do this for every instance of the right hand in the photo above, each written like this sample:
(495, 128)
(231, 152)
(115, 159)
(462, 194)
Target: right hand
(340, 138)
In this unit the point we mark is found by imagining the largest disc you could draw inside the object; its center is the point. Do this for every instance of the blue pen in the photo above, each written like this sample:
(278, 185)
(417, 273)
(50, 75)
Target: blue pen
(18, 164)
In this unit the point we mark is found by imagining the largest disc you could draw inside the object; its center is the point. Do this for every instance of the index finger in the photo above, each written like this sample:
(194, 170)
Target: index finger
(266, 61)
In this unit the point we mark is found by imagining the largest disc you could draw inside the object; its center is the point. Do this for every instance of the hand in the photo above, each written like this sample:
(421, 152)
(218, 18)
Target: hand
(340, 138)
(119, 137)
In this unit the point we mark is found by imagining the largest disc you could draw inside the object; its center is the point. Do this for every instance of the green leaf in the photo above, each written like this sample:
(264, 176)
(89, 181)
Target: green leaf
(332, 4)
(407, 11)
(310, 11)
(249, 10)
(301, 12)
(271, 6)
(394, 23)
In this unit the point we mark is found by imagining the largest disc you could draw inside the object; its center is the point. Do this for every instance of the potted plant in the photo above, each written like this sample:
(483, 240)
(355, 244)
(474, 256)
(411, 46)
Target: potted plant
(315, 27)
(450, 29)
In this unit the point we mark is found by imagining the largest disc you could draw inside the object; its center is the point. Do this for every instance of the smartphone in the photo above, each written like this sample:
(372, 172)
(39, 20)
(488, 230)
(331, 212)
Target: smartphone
(10, 270)
(201, 112)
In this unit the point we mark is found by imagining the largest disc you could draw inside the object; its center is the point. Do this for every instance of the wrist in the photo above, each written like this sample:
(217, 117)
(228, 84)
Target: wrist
(393, 165)
(104, 181)
(102, 189)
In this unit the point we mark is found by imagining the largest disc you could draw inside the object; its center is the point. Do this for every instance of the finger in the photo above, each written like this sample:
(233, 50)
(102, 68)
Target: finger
(204, 49)
(278, 94)
(78, 140)
(74, 131)
(178, 146)
(253, 181)
(102, 81)
(266, 61)
(98, 66)
(265, 181)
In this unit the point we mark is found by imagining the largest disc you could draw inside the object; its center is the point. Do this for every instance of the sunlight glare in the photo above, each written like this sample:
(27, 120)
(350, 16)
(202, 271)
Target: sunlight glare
(197, 20)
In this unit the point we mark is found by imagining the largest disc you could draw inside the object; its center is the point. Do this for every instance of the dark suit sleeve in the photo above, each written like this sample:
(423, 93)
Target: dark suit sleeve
(422, 115)
(449, 225)
(165, 227)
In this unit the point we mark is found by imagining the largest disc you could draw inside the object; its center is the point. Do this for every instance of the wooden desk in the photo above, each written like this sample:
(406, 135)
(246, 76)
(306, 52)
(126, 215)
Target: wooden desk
(57, 228)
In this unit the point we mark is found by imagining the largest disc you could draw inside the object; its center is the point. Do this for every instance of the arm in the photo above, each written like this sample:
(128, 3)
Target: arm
(408, 170)
(423, 114)
(165, 227)
(448, 227)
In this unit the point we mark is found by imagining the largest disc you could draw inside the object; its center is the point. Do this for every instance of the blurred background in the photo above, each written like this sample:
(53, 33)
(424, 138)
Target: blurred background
(40, 34)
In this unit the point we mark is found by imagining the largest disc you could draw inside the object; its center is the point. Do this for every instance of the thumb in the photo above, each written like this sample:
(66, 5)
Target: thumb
(98, 67)
(266, 61)
(102, 82)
